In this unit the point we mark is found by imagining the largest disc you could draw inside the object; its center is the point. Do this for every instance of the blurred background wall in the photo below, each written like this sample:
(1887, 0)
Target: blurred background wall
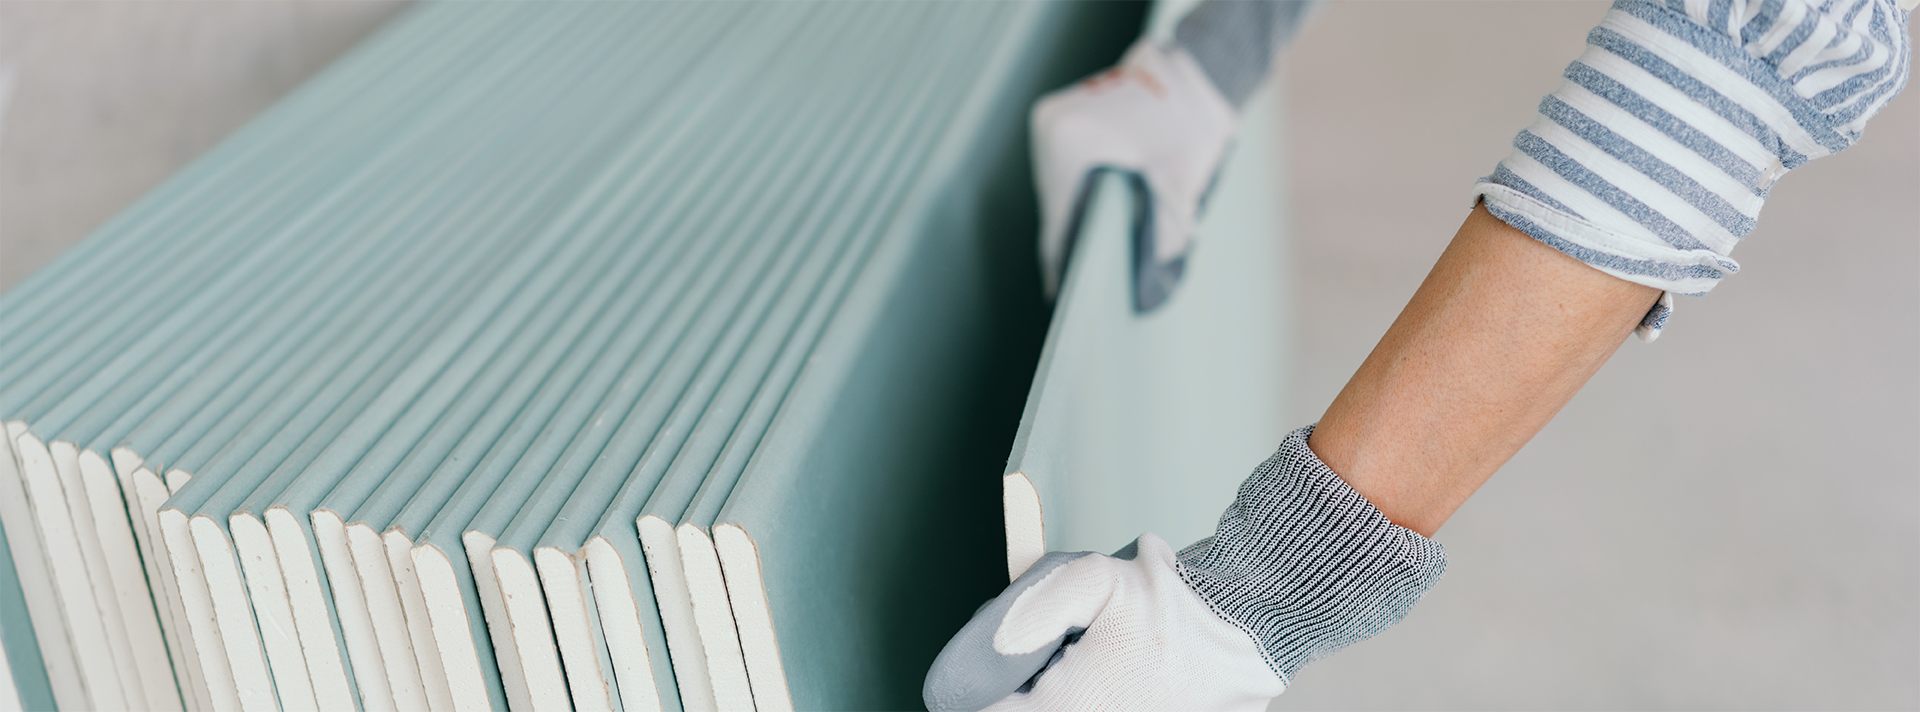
(109, 97)
(1727, 519)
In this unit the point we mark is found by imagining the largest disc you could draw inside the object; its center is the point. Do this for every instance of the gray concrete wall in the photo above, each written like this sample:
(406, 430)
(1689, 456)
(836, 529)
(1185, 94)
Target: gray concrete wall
(1728, 518)
(109, 97)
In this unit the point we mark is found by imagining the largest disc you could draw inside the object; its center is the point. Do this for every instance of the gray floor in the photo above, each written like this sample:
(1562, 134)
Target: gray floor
(1727, 519)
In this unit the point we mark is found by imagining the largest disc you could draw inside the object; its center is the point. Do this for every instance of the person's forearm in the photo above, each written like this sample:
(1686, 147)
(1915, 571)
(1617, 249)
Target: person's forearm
(1498, 338)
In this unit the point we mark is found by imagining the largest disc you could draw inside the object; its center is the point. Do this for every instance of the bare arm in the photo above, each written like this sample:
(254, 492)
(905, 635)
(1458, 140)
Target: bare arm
(1498, 338)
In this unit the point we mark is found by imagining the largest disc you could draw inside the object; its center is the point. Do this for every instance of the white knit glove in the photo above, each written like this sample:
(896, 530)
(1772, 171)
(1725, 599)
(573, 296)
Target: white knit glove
(1147, 641)
(1300, 566)
(1156, 117)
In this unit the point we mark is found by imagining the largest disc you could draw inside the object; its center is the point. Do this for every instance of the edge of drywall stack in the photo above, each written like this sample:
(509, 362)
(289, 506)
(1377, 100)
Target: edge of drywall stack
(1138, 423)
(802, 554)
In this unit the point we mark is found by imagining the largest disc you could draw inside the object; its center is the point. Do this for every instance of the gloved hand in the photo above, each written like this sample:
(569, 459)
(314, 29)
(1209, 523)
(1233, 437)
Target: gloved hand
(1155, 117)
(1300, 566)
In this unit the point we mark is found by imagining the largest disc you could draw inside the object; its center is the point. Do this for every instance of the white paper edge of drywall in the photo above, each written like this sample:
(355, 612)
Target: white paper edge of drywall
(453, 633)
(9, 690)
(1026, 529)
(66, 465)
(233, 614)
(620, 626)
(526, 609)
(479, 547)
(370, 667)
(279, 638)
(406, 591)
(407, 666)
(177, 479)
(151, 493)
(569, 611)
(747, 592)
(332, 689)
(222, 694)
(493, 608)
(685, 651)
(84, 627)
(707, 589)
(127, 466)
(153, 662)
(36, 578)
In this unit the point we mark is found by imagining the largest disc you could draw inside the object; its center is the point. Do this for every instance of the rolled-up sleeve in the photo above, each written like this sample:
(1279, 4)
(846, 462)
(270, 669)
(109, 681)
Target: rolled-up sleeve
(1653, 158)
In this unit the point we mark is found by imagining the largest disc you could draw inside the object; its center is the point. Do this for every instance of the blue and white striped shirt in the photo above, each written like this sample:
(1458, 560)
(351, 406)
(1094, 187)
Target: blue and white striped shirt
(1653, 158)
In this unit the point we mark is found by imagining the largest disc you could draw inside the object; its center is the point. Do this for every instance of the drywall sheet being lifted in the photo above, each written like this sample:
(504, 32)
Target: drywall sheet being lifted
(1149, 422)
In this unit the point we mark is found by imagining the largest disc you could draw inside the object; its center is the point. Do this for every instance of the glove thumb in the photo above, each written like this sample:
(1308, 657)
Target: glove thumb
(1062, 604)
(975, 670)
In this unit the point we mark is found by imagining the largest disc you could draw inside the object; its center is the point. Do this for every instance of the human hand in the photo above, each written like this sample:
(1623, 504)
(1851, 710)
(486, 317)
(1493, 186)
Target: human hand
(1110, 632)
(1155, 117)
(1300, 566)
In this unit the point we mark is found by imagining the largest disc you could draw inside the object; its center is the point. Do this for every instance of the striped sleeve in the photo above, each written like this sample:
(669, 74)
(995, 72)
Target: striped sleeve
(1653, 158)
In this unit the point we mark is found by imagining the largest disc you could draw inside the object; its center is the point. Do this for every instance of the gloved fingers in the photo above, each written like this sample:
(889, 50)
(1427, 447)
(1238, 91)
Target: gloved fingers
(970, 673)
(1066, 600)
(1060, 215)
(1162, 237)
(1072, 141)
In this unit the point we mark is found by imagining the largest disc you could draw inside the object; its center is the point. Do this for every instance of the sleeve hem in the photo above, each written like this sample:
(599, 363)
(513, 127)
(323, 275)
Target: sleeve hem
(1687, 272)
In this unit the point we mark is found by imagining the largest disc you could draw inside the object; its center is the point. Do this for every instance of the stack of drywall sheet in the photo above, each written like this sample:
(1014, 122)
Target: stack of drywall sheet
(535, 354)
(1150, 422)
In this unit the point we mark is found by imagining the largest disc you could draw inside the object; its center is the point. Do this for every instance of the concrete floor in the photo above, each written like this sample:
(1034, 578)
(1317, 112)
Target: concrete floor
(1729, 518)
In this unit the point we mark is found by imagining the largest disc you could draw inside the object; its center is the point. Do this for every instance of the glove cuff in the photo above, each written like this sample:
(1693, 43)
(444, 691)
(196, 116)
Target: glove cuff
(1306, 565)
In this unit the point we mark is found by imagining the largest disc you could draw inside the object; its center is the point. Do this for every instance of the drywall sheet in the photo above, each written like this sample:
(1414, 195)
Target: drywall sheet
(1149, 422)
(606, 355)
(850, 542)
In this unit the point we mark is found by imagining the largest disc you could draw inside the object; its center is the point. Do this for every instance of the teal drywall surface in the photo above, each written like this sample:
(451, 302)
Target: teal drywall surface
(872, 499)
(16, 635)
(1150, 422)
(424, 323)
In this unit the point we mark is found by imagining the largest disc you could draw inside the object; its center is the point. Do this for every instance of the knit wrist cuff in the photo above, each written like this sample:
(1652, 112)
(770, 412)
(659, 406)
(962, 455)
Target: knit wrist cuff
(1306, 565)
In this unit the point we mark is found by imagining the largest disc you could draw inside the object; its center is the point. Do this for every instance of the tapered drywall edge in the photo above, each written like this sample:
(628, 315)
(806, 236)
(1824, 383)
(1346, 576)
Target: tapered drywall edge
(453, 633)
(177, 479)
(406, 587)
(420, 668)
(312, 618)
(260, 568)
(707, 589)
(448, 622)
(493, 608)
(36, 578)
(197, 603)
(747, 591)
(356, 629)
(684, 647)
(233, 614)
(72, 588)
(9, 688)
(620, 627)
(152, 493)
(66, 466)
(570, 609)
(1026, 529)
(153, 670)
(139, 514)
(527, 616)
